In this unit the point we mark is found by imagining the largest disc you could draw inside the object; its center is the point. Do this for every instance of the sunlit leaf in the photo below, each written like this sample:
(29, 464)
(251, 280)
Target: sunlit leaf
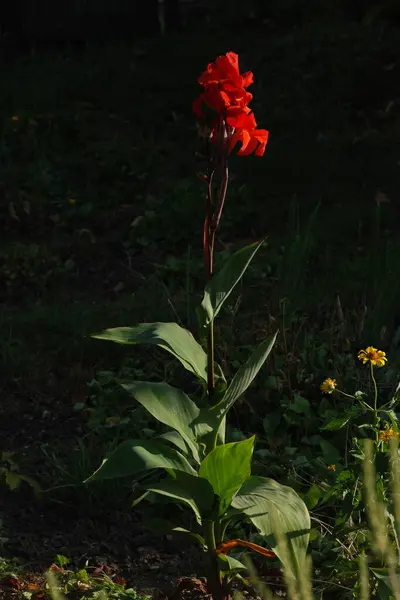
(269, 505)
(226, 468)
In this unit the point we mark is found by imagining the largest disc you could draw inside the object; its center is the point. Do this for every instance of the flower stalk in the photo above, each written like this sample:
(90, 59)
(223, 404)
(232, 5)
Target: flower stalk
(214, 575)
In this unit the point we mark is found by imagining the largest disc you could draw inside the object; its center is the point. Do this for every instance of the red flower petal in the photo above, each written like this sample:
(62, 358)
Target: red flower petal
(247, 79)
(241, 118)
(225, 68)
(255, 140)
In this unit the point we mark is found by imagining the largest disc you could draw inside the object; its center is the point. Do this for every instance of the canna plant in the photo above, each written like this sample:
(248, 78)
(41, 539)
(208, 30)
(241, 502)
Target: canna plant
(195, 465)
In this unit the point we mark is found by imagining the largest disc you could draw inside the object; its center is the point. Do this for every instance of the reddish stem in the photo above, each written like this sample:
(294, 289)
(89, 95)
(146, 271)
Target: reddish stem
(217, 215)
(211, 223)
(208, 255)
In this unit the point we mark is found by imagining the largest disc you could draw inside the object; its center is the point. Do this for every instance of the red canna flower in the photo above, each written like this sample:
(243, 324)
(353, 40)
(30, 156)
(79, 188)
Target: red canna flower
(226, 69)
(223, 106)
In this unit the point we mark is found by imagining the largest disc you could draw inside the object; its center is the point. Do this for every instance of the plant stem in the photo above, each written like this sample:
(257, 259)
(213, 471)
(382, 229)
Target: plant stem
(214, 577)
(212, 226)
(376, 418)
(208, 249)
(211, 223)
(210, 360)
(208, 253)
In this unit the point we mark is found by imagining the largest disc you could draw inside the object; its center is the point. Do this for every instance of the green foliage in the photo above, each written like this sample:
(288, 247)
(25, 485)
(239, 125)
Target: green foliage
(270, 505)
(227, 468)
(170, 406)
(220, 287)
(11, 476)
(197, 492)
(88, 583)
(169, 336)
(136, 456)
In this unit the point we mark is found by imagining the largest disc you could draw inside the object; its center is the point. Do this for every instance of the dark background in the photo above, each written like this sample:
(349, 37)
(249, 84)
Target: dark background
(26, 22)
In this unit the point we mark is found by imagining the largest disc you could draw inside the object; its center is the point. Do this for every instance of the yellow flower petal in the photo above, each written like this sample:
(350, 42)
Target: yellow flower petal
(328, 386)
(377, 358)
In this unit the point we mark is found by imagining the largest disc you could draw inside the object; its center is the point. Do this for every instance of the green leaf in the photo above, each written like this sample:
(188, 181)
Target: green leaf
(244, 377)
(330, 452)
(169, 336)
(82, 575)
(13, 480)
(343, 419)
(174, 438)
(269, 506)
(313, 496)
(382, 575)
(136, 456)
(300, 405)
(227, 467)
(164, 526)
(61, 560)
(189, 489)
(229, 564)
(383, 592)
(170, 406)
(221, 285)
(210, 419)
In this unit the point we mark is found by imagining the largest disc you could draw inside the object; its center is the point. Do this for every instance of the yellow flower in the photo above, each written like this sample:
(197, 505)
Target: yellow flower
(377, 358)
(113, 420)
(15, 118)
(72, 201)
(387, 434)
(328, 386)
(332, 468)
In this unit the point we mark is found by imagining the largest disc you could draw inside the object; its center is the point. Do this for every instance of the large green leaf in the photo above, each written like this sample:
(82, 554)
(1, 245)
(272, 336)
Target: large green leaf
(227, 467)
(135, 456)
(222, 283)
(170, 406)
(189, 489)
(169, 336)
(210, 419)
(269, 506)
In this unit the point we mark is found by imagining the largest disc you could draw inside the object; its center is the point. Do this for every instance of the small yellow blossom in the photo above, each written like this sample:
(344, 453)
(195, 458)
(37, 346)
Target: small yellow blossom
(385, 435)
(15, 118)
(332, 468)
(377, 358)
(328, 386)
(72, 201)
